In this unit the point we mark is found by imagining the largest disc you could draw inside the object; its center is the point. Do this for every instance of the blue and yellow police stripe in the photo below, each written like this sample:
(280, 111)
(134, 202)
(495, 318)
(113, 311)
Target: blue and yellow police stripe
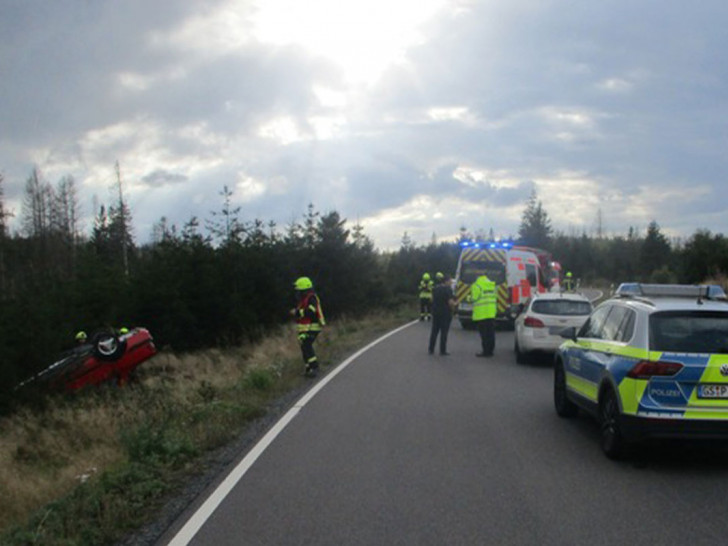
(661, 396)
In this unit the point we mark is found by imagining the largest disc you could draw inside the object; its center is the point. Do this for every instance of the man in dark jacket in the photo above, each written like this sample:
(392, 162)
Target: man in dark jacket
(443, 303)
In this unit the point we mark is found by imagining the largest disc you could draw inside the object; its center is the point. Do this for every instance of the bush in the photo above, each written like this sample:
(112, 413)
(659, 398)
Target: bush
(259, 379)
(663, 275)
(158, 443)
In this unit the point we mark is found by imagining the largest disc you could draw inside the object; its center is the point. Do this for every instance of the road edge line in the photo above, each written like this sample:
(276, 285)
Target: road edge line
(203, 513)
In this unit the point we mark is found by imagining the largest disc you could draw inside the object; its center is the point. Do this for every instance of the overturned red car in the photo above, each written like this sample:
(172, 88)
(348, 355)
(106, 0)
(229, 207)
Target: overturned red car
(108, 357)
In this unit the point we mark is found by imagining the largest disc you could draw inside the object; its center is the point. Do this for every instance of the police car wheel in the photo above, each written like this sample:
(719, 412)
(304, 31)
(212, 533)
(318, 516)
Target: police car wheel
(613, 444)
(564, 406)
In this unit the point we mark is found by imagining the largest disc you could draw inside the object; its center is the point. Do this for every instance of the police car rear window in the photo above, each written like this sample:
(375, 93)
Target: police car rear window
(561, 307)
(689, 332)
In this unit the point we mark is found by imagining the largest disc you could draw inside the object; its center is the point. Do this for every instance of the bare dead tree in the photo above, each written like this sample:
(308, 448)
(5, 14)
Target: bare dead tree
(123, 221)
(4, 215)
(66, 214)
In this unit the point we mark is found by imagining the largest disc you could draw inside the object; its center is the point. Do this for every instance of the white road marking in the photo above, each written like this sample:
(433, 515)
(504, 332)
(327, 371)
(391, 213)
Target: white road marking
(198, 519)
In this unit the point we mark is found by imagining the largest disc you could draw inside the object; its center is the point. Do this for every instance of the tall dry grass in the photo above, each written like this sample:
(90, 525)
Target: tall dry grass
(182, 406)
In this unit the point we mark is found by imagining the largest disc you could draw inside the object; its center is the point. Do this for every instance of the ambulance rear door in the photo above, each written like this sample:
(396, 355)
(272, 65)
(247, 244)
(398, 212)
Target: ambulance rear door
(523, 279)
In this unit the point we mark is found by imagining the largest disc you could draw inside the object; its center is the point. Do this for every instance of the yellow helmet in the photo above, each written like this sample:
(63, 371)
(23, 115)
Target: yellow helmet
(303, 283)
(426, 277)
(81, 336)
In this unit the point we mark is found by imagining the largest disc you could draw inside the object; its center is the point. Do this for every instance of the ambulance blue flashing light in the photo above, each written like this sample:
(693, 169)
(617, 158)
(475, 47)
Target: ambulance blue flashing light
(486, 244)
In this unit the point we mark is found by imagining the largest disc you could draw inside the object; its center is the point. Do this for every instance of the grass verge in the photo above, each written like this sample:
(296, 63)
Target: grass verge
(92, 467)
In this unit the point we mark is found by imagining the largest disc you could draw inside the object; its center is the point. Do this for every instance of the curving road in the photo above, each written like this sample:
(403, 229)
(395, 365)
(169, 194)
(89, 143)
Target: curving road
(405, 448)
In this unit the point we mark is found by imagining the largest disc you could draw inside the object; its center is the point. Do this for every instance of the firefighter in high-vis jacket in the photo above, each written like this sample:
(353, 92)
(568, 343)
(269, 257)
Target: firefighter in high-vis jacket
(568, 282)
(425, 288)
(309, 322)
(482, 295)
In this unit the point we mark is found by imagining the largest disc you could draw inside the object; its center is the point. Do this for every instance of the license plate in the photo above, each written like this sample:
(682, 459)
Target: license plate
(556, 330)
(713, 391)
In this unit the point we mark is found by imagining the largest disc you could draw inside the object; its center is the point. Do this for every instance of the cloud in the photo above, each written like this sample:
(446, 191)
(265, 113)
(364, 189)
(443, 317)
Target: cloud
(619, 107)
(160, 177)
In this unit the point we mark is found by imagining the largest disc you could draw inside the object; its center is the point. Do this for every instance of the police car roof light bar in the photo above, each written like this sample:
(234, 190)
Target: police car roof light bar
(699, 291)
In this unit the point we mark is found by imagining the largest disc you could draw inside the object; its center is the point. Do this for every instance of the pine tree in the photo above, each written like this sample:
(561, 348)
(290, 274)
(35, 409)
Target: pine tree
(655, 252)
(406, 242)
(535, 229)
(310, 229)
(227, 227)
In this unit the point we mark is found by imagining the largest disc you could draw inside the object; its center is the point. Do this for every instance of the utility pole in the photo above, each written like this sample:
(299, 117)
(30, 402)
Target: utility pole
(122, 218)
(600, 233)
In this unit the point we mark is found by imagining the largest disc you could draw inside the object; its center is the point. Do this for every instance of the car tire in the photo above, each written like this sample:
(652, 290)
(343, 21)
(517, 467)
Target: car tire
(521, 357)
(107, 346)
(564, 407)
(612, 441)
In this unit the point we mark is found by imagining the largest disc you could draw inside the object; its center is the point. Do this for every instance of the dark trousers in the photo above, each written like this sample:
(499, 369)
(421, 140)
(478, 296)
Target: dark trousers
(306, 340)
(486, 329)
(440, 325)
(425, 304)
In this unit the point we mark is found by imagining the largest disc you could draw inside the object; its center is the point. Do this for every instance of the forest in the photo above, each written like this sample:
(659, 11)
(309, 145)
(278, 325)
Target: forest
(226, 280)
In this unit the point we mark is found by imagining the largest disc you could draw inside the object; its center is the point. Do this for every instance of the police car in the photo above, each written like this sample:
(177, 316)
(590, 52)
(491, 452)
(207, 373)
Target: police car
(651, 362)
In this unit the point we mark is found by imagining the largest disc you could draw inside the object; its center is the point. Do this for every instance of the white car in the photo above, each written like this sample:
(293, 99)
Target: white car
(538, 327)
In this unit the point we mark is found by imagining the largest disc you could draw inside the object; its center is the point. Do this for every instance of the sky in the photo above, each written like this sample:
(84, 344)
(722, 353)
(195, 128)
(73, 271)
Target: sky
(405, 116)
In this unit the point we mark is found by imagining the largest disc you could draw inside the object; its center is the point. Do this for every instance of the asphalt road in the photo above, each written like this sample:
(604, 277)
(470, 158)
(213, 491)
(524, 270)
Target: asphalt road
(403, 448)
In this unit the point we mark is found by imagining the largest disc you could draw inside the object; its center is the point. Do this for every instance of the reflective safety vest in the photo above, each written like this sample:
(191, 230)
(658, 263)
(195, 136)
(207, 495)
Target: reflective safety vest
(568, 284)
(482, 294)
(309, 315)
(426, 289)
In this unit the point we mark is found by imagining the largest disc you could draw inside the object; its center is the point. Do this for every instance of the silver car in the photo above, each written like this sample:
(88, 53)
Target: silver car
(538, 327)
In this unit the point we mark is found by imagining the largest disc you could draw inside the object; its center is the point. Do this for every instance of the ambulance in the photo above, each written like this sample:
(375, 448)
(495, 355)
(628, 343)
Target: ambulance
(517, 271)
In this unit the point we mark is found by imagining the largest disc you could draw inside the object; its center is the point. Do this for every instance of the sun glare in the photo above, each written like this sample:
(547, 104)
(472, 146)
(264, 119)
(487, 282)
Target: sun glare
(363, 38)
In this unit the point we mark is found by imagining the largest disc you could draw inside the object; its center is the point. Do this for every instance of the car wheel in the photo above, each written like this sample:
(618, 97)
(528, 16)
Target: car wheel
(107, 346)
(564, 406)
(521, 357)
(613, 443)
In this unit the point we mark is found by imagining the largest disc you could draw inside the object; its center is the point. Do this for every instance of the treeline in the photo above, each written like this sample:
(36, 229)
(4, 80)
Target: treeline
(206, 284)
(649, 258)
(226, 280)
(628, 257)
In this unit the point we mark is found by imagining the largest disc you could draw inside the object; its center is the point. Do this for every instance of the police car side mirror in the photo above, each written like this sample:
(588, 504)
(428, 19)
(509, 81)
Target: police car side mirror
(569, 333)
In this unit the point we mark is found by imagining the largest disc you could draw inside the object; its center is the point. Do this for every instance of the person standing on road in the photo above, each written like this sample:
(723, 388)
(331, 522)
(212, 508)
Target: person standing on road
(309, 322)
(568, 282)
(443, 303)
(425, 288)
(482, 295)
